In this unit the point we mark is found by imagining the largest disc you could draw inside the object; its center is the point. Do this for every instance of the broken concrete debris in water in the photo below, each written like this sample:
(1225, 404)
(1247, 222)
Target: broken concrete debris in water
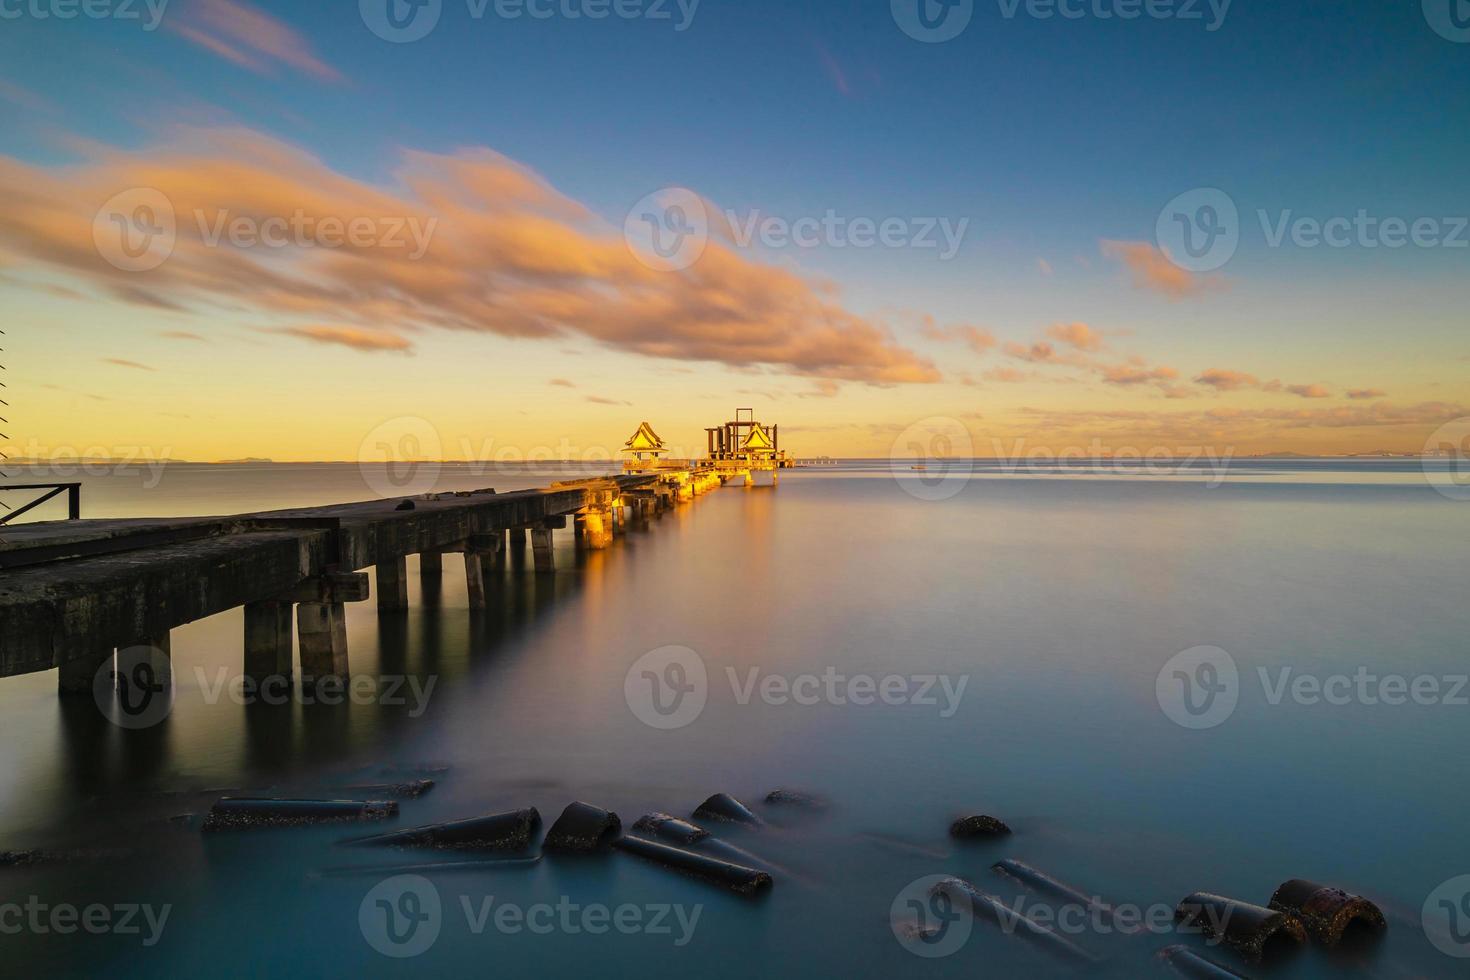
(670, 828)
(245, 814)
(989, 907)
(397, 791)
(497, 832)
(738, 878)
(1247, 928)
(388, 870)
(1187, 963)
(1042, 882)
(723, 806)
(795, 800)
(583, 828)
(35, 858)
(979, 825)
(1326, 912)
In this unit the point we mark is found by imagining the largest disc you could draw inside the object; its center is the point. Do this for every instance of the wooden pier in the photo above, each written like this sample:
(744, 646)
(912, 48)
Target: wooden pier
(74, 592)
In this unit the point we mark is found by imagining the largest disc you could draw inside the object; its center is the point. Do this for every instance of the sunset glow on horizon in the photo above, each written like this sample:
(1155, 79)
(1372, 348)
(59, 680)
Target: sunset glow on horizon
(351, 242)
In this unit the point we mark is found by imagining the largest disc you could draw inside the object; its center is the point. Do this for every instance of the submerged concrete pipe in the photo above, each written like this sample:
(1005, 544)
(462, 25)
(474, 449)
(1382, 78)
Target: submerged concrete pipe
(1187, 963)
(1042, 882)
(738, 878)
(723, 806)
(1327, 913)
(1247, 928)
(497, 832)
(991, 908)
(233, 813)
(671, 828)
(583, 828)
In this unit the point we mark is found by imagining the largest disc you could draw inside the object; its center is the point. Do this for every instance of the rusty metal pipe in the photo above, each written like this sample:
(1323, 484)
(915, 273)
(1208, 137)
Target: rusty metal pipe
(1244, 927)
(1327, 912)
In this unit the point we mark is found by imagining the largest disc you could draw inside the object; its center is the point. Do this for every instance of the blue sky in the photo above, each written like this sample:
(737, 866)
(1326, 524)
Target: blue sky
(1048, 136)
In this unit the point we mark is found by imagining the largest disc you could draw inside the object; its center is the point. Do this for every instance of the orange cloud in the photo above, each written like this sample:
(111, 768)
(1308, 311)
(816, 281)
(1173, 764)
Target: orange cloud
(1224, 380)
(509, 255)
(1040, 352)
(977, 339)
(1132, 374)
(247, 37)
(560, 383)
(1078, 335)
(1362, 394)
(1309, 391)
(358, 338)
(1153, 271)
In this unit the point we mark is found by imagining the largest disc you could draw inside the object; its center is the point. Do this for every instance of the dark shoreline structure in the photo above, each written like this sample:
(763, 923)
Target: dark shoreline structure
(78, 591)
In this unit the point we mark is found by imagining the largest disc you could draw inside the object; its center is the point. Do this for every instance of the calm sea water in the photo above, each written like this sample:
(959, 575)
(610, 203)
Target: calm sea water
(1056, 597)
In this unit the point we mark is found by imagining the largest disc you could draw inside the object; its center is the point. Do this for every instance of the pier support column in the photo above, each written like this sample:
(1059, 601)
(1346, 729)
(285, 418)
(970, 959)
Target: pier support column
(749, 478)
(541, 546)
(686, 492)
(163, 666)
(516, 546)
(322, 631)
(492, 558)
(474, 577)
(78, 673)
(431, 576)
(393, 585)
(599, 530)
(268, 640)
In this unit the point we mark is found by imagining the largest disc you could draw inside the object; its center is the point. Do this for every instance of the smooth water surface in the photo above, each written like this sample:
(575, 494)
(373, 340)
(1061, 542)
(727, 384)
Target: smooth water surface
(1056, 598)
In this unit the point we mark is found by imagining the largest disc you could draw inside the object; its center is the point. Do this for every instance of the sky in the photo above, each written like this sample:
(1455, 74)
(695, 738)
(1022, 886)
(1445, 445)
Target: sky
(517, 228)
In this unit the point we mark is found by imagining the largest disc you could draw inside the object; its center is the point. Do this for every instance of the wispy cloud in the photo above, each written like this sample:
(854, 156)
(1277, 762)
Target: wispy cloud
(599, 400)
(1363, 394)
(182, 335)
(1152, 270)
(511, 256)
(561, 383)
(248, 37)
(120, 362)
(357, 338)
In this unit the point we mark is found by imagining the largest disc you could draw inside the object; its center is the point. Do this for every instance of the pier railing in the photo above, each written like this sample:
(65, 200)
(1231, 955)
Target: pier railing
(73, 493)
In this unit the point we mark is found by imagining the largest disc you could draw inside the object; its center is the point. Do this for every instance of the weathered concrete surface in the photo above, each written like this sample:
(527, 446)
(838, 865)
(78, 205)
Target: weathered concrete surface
(60, 599)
